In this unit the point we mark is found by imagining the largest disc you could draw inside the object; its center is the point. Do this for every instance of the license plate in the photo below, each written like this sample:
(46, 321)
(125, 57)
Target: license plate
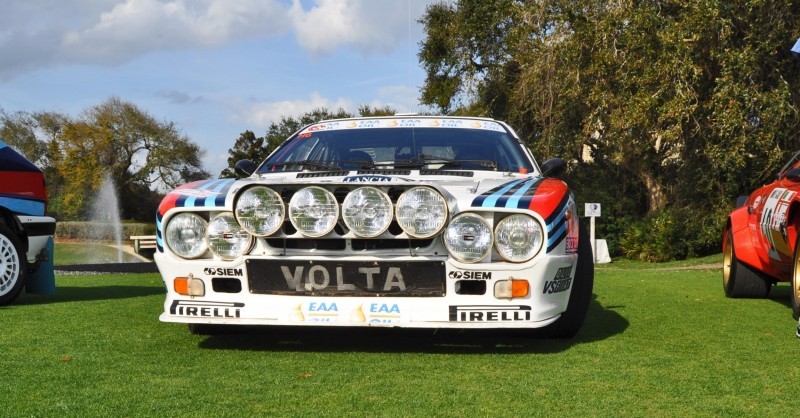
(348, 278)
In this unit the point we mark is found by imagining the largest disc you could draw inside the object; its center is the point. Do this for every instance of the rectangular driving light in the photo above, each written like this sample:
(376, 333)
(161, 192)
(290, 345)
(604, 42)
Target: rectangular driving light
(511, 289)
(189, 286)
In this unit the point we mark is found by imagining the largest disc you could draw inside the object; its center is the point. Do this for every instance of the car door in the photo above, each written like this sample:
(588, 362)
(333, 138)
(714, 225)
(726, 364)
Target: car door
(769, 210)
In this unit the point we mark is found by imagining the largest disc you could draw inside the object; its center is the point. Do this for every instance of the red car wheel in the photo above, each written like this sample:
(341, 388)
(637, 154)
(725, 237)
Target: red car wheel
(738, 279)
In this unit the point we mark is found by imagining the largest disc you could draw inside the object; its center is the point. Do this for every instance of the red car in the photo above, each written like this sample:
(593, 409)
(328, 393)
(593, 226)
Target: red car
(761, 244)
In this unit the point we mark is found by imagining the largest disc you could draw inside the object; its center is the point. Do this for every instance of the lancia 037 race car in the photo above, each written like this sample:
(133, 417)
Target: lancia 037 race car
(422, 222)
(760, 245)
(26, 235)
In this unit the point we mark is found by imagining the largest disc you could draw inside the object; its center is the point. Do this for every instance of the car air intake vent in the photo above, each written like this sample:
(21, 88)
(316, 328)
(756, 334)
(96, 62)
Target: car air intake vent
(386, 172)
(446, 173)
(321, 174)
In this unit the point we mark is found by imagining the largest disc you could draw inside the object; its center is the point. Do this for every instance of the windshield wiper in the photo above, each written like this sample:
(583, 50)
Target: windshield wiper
(421, 160)
(424, 159)
(307, 164)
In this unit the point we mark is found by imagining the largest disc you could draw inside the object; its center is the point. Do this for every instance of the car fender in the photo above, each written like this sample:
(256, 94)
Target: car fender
(742, 238)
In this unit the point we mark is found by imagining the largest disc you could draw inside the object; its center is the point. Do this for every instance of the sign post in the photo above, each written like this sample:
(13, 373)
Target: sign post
(592, 210)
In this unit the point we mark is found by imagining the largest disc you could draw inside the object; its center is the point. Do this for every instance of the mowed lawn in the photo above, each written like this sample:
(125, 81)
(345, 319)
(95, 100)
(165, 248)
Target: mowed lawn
(660, 342)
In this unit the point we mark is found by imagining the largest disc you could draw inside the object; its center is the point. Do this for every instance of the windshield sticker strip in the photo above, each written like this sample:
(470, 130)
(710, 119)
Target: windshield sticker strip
(405, 123)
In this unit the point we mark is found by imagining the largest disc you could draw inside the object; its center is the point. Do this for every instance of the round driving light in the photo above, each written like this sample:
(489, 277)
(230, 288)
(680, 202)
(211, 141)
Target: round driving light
(185, 235)
(468, 238)
(226, 238)
(421, 212)
(518, 238)
(260, 211)
(313, 211)
(367, 211)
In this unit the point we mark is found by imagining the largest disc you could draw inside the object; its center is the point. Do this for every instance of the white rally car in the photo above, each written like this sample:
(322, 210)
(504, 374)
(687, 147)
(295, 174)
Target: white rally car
(404, 221)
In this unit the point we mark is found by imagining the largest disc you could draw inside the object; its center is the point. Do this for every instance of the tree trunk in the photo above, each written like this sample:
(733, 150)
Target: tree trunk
(656, 195)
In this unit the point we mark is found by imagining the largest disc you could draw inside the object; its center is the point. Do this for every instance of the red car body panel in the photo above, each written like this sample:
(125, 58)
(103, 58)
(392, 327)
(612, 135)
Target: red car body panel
(765, 228)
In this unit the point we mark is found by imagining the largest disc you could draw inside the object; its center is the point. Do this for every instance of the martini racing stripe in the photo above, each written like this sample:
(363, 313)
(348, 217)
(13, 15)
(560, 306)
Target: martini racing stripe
(206, 193)
(489, 199)
(557, 224)
(545, 196)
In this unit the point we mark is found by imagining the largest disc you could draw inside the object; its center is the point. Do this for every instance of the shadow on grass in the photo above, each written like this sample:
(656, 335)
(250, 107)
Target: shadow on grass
(89, 293)
(781, 294)
(601, 323)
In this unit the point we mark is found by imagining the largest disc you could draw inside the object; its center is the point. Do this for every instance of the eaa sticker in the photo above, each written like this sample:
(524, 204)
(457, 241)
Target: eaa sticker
(317, 311)
(377, 313)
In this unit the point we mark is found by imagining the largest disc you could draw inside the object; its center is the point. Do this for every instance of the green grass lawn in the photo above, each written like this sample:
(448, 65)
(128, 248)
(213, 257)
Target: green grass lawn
(67, 253)
(657, 342)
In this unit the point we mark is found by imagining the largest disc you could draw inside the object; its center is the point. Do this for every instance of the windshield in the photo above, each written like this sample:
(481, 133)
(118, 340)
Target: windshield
(399, 147)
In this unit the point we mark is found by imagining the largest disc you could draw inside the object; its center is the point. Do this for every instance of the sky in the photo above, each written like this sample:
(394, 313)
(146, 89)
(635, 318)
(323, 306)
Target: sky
(215, 68)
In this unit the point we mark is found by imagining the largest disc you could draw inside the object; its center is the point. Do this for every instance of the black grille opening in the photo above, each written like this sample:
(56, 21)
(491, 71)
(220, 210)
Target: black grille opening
(307, 244)
(389, 244)
(340, 193)
(226, 285)
(394, 228)
(446, 173)
(288, 228)
(470, 287)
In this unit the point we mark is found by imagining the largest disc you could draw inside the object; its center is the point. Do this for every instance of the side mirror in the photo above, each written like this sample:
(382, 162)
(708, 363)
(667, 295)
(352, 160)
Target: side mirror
(553, 167)
(793, 175)
(245, 168)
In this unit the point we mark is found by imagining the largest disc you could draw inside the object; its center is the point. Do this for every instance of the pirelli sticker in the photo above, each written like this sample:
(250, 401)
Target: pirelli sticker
(489, 313)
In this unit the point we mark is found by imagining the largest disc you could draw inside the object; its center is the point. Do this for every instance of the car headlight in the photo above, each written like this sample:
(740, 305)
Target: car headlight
(185, 235)
(367, 211)
(260, 211)
(313, 211)
(226, 238)
(468, 238)
(518, 238)
(421, 212)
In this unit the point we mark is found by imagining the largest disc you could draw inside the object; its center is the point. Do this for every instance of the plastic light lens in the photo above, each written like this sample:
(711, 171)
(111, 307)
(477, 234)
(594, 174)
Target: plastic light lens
(260, 211)
(226, 239)
(518, 238)
(313, 211)
(468, 238)
(367, 211)
(421, 212)
(186, 235)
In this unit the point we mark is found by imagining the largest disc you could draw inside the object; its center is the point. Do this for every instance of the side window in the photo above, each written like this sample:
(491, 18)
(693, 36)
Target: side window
(794, 162)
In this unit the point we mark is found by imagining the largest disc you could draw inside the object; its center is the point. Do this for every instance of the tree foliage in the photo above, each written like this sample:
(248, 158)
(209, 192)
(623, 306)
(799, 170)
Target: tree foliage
(114, 139)
(693, 102)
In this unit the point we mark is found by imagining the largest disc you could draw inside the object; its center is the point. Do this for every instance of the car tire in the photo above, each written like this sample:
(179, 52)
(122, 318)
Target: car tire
(13, 266)
(795, 282)
(570, 321)
(738, 279)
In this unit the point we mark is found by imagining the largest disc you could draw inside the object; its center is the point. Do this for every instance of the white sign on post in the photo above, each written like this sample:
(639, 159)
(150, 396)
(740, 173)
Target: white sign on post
(592, 210)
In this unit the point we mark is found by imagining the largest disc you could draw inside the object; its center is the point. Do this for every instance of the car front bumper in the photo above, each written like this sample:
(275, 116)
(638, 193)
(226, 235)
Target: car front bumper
(328, 295)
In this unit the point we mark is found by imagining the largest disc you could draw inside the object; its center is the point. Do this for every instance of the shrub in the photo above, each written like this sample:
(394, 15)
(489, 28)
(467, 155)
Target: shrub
(101, 231)
(674, 234)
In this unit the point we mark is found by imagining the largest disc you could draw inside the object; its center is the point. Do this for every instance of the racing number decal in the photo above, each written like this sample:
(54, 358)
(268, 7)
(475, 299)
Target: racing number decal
(773, 222)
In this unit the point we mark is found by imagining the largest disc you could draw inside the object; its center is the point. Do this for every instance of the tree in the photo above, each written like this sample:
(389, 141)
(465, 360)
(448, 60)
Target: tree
(118, 139)
(114, 138)
(247, 147)
(696, 100)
